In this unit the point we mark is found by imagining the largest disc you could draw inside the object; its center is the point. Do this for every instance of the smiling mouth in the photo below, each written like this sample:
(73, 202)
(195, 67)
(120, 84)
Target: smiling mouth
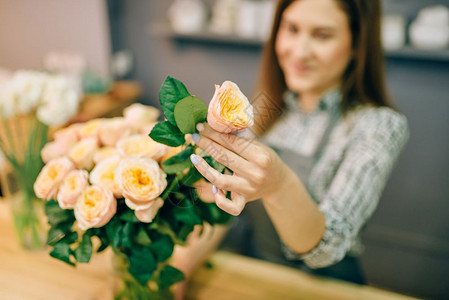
(301, 69)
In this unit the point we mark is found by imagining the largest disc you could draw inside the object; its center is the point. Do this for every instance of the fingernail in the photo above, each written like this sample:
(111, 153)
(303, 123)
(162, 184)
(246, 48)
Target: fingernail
(200, 127)
(195, 159)
(195, 137)
(214, 189)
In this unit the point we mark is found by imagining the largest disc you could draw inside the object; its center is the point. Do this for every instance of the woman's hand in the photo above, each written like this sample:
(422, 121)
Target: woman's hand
(258, 170)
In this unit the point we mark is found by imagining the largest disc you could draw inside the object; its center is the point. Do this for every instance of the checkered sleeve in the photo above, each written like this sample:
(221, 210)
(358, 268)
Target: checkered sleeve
(353, 194)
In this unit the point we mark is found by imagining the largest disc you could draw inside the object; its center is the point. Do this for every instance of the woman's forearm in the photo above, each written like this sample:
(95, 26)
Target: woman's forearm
(297, 219)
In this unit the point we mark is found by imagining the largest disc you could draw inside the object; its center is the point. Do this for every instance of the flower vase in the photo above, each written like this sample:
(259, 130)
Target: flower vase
(27, 212)
(21, 140)
(125, 286)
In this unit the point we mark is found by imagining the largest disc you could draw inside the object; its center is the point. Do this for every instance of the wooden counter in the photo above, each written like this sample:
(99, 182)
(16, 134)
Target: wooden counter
(35, 275)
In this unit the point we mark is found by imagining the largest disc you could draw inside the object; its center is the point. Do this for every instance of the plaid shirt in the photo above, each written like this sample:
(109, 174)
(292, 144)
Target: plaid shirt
(351, 171)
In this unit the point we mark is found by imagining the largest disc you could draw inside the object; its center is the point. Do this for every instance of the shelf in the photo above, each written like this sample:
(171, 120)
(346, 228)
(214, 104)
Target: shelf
(407, 52)
(413, 53)
(161, 29)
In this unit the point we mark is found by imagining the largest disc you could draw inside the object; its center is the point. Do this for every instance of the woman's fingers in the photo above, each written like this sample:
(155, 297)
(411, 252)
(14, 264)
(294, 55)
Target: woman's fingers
(225, 156)
(249, 149)
(204, 191)
(221, 181)
(233, 207)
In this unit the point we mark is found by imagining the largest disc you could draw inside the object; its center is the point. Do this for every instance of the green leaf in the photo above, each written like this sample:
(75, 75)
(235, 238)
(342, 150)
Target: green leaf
(62, 252)
(70, 238)
(168, 134)
(114, 232)
(141, 264)
(129, 216)
(169, 276)
(56, 214)
(191, 177)
(189, 112)
(186, 213)
(214, 164)
(83, 252)
(162, 247)
(171, 92)
(127, 235)
(179, 162)
(58, 232)
(142, 237)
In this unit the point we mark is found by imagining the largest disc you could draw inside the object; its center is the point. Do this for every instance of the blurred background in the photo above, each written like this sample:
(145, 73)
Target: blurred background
(204, 42)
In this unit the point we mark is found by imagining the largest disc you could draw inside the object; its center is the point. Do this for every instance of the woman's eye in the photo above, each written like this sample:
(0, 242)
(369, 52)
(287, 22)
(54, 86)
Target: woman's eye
(322, 36)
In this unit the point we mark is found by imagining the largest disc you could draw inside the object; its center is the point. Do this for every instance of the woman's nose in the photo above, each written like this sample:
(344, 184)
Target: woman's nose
(302, 47)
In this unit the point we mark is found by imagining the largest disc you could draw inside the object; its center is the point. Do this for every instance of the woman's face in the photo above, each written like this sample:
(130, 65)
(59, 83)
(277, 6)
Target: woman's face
(313, 45)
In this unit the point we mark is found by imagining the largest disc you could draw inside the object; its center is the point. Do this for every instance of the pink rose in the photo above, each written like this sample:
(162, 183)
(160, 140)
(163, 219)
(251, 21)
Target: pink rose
(95, 207)
(146, 215)
(138, 114)
(54, 150)
(229, 110)
(71, 188)
(141, 181)
(51, 176)
(111, 130)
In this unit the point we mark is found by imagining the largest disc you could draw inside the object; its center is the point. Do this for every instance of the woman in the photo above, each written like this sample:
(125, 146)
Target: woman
(323, 161)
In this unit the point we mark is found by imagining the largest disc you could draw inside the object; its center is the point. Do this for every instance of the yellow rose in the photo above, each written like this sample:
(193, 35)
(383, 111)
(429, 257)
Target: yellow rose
(95, 207)
(141, 145)
(71, 188)
(141, 181)
(229, 110)
(82, 153)
(103, 175)
(105, 152)
(51, 176)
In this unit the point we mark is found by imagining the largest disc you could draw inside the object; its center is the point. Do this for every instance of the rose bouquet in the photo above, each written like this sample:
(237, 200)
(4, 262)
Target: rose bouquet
(30, 102)
(106, 180)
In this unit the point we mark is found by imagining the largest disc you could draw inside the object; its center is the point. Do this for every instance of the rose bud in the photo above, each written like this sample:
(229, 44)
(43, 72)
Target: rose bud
(229, 110)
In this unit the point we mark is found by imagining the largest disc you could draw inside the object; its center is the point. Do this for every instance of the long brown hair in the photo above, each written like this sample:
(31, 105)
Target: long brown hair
(364, 79)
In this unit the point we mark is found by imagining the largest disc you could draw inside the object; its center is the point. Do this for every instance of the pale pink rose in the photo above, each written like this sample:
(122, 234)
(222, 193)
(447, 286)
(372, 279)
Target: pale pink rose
(138, 114)
(68, 135)
(51, 176)
(112, 130)
(90, 128)
(229, 110)
(53, 150)
(146, 128)
(146, 215)
(71, 188)
(95, 207)
(105, 152)
(82, 153)
(141, 145)
(141, 181)
(103, 175)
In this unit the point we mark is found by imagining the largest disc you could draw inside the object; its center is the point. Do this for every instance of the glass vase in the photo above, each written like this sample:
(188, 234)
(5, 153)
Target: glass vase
(126, 287)
(21, 140)
(27, 212)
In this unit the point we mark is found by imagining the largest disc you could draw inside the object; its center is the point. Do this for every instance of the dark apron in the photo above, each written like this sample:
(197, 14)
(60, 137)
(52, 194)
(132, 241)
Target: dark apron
(254, 234)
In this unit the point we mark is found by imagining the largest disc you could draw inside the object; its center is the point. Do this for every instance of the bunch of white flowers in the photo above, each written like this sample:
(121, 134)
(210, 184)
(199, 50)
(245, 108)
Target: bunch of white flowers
(51, 97)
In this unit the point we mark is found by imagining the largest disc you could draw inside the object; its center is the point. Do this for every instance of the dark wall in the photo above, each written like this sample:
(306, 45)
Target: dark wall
(407, 240)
